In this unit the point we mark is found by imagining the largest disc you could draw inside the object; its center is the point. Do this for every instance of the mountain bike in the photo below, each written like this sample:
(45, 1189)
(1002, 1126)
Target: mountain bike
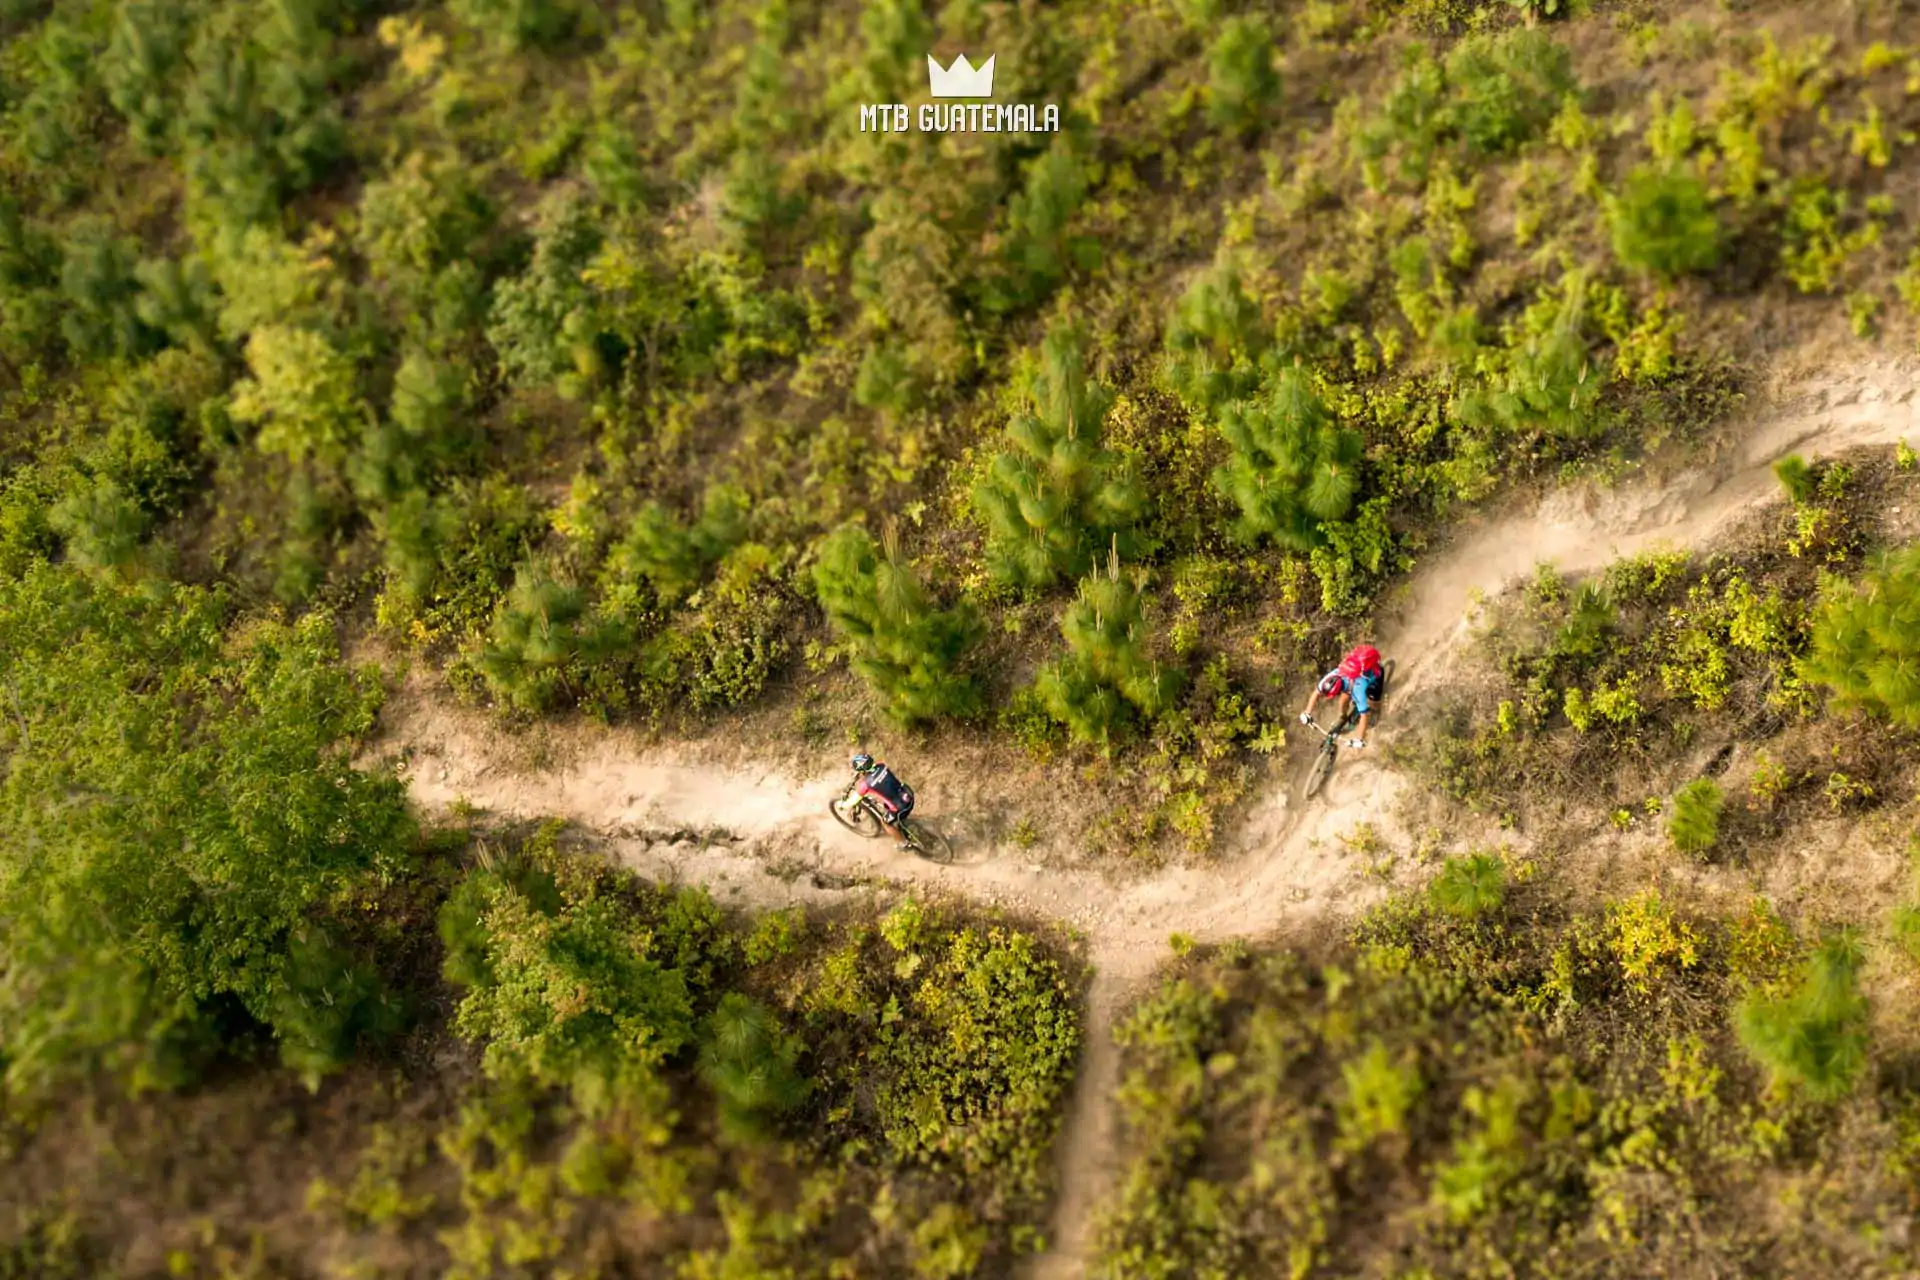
(1330, 745)
(857, 814)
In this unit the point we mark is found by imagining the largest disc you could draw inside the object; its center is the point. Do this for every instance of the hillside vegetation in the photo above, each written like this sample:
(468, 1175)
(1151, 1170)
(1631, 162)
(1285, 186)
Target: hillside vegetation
(589, 361)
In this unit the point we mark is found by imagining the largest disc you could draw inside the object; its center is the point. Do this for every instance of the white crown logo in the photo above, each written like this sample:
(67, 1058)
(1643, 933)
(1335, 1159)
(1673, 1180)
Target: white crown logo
(962, 79)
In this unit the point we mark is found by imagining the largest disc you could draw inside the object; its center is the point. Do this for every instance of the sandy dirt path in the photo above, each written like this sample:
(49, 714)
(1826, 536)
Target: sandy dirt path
(761, 836)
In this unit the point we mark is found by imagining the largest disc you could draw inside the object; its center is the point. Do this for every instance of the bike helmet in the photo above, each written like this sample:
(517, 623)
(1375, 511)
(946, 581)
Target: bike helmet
(1331, 684)
(862, 762)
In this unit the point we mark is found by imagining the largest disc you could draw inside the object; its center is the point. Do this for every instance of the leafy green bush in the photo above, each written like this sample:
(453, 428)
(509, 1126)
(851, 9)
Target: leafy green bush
(1469, 887)
(1866, 640)
(542, 321)
(1293, 466)
(674, 559)
(1241, 80)
(722, 654)
(1040, 251)
(1816, 1037)
(303, 395)
(543, 638)
(1216, 339)
(1663, 221)
(181, 803)
(748, 1061)
(1548, 382)
(906, 648)
(1797, 477)
(520, 24)
(101, 525)
(1693, 819)
(1107, 668)
(1057, 498)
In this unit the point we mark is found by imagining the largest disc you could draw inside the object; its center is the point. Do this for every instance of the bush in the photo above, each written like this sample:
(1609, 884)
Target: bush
(1693, 819)
(1469, 887)
(748, 1062)
(520, 24)
(1056, 498)
(302, 394)
(1293, 466)
(1663, 221)
(1241, 80)
(907, 649)
(190, 806)
(541, 321)
(1106, 668)
(1216, 339)
(542, 640)
(674, 559)
(1039, 250)
(1866, 640)
(1548, 382)
(1797, 477)
(1815, 1038)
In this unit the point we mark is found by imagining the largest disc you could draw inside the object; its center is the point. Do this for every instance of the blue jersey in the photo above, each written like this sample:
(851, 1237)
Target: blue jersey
(1363, 691)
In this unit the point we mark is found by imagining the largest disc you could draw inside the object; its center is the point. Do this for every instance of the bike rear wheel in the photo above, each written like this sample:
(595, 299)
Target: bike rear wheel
(852, 813)
(925, 841)
(1322, 766)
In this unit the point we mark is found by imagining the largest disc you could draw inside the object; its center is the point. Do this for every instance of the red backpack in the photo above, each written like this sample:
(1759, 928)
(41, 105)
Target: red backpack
(1364, 660)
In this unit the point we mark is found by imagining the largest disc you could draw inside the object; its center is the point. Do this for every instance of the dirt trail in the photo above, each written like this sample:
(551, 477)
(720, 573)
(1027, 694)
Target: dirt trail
(761, 836)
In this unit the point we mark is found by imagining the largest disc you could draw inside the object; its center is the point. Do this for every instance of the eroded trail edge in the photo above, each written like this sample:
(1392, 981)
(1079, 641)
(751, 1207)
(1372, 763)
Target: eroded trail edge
(761, 836)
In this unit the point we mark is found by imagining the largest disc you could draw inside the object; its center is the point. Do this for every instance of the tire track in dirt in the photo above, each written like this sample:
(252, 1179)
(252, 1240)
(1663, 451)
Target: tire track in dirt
(761, 837)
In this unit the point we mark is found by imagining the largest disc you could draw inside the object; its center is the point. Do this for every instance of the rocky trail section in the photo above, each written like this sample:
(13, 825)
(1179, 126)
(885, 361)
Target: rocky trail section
(761, 836)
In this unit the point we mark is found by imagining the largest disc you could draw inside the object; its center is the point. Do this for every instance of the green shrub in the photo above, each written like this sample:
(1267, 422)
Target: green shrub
(1816, 1037)
(1693, 818)
(674, 559)
(1216, 339)
(574, 993)
(1107, 668)
(1663, 221)
(1866, 640)
(748, 1062)
(303, 395)
(1469, 887)
(722, 654)
(543, 638)
(1039, 249)
(101, 287)
(1241, 80)
(190, 803)
(906, 648)
(1797, 477)
(1293, 467)
(1548, 382)
(542, 319)
(1057, 498)
(520, 24)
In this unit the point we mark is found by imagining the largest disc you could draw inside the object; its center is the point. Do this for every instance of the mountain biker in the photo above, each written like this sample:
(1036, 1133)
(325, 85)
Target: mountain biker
(893, 799)
(1356, 681)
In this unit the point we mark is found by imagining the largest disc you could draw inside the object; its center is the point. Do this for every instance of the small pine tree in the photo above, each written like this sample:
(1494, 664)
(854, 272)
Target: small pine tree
(1866, 640)
(1693, 821)
(1549, 382)
(748, 1062)
(1216, 339)
(542, 634)
(1797, 476)
(1241, 81)
(907, 649)
(1293, 467)
(100, 523)
(1040, 251)
(1469, 887)
(1663, 221)
(1056, 497)
(674, 558)
(1106, 669)
(1816, 1037)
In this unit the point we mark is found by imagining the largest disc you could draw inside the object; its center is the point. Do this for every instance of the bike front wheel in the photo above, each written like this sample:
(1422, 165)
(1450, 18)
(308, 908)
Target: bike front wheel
(852, 813)
(925, 841)
(1322, 766)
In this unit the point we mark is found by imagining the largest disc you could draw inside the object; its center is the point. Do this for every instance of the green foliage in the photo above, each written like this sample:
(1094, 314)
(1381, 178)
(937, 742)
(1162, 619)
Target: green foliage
(1057, 498)
(673, 559)
(1816, 1037)
(1216, 339)
(182, 807)
(1548, 381)
(1693, 820)
(543, 638)
(1469, 887)
(1107, 668)
(1039, 247)
(1493, 94)
(1866, 640)
(520, 24)
(1293, 466)
(1241, 80)
(302, 394)
(748, 1061)
(542, 321)
(575, 993)
(900, 642)
(1797, 477)
(1663, 221)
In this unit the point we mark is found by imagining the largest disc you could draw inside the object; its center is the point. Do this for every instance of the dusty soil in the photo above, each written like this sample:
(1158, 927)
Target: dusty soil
(759, 834)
